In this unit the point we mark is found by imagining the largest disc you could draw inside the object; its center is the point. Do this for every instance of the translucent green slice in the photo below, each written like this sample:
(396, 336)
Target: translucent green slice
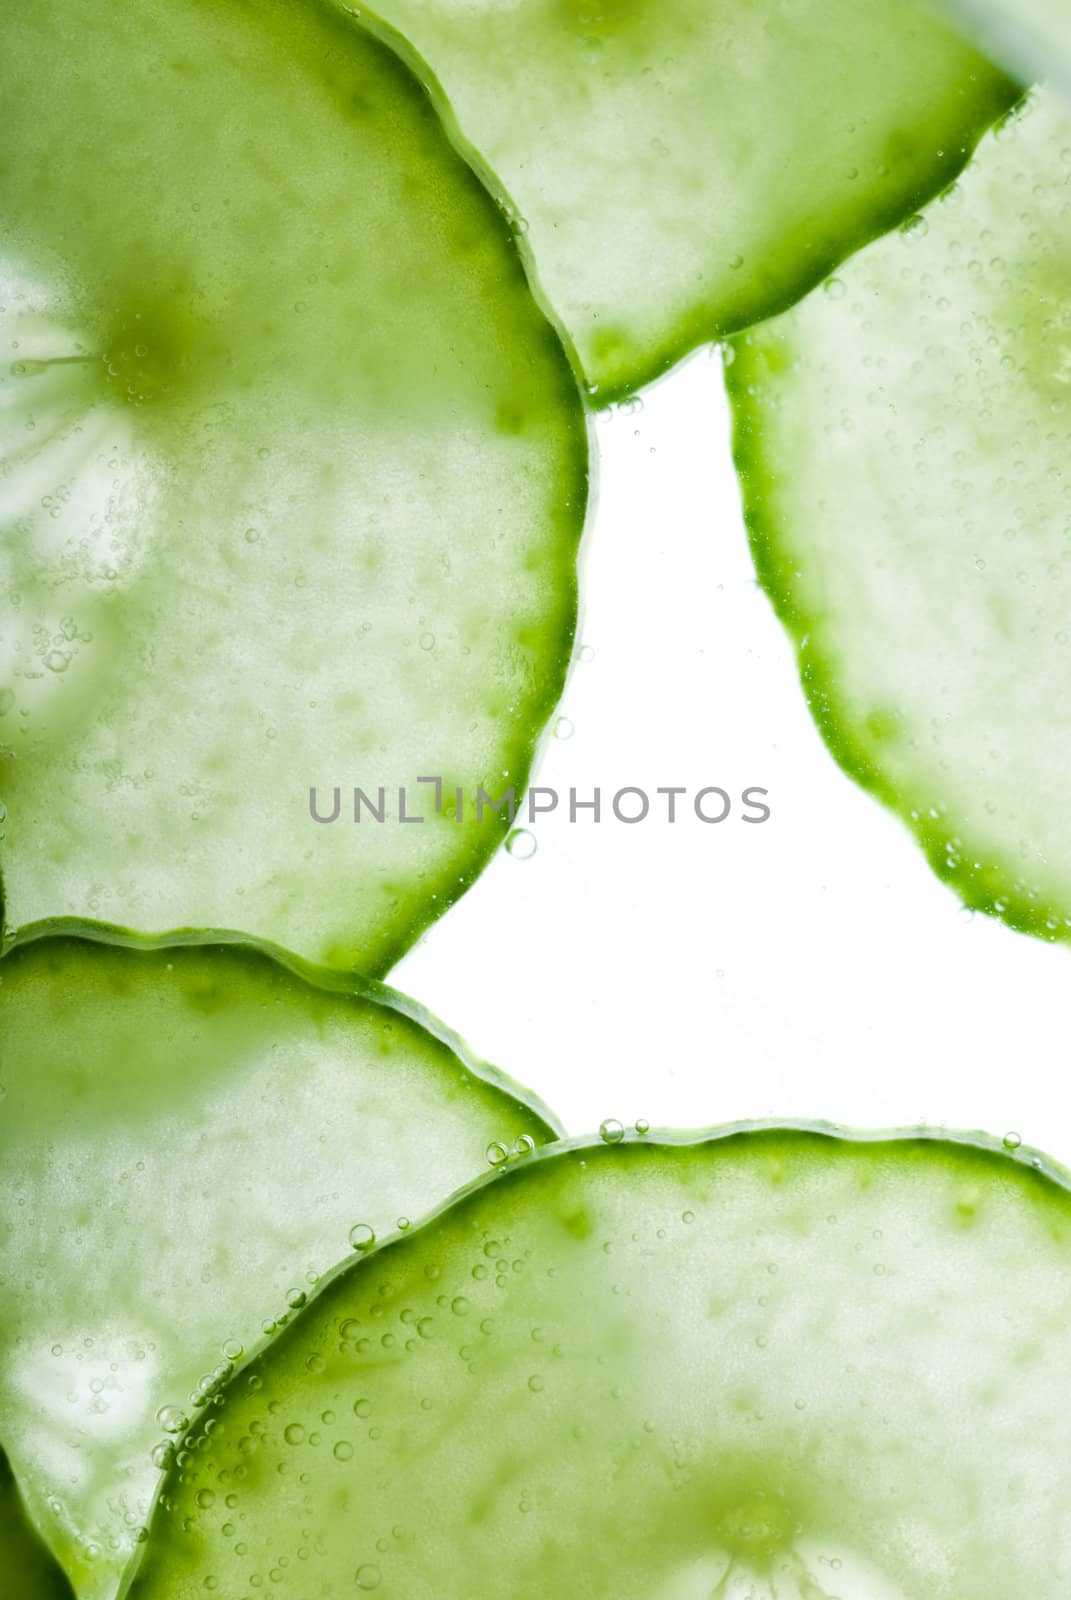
(27, 1569)
(189, 1137)
(902, 441)
(687, 167)
(767, 1363)
(292, 473)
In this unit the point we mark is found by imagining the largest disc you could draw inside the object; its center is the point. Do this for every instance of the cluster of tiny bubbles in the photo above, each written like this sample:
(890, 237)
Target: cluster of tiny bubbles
(563, 728)
(522, 844)
(362, 1236)
(1012, 1140)
(611, 1131)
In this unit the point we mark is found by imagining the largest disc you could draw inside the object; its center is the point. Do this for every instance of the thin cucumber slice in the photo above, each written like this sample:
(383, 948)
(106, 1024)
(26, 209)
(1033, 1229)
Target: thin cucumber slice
(770, 1363)
(688, 167)
(292, 473)
(26, 1567)
(902, 441)
(190, 1135)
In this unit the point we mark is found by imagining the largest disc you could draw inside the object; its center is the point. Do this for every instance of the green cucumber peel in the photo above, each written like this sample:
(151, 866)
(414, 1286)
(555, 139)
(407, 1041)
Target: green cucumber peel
(294, 471)
(190, 1134)
(28, 1569)
(766, 1361)
(901, 442)
(684, 169)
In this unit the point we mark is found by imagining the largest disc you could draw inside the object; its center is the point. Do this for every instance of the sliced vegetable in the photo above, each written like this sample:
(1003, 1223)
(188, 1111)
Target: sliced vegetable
(767, 1363)
(902, 441)
(191, 1136)
(688, 167)
(293, 472)
(28, 1570)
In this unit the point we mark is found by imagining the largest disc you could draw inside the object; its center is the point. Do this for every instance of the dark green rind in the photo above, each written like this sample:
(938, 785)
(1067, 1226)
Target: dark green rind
(448, 61)
(189, 1132)
(755, 363)
(27, 1571)
(371, 912)
(1033, 37)
(674, 1355)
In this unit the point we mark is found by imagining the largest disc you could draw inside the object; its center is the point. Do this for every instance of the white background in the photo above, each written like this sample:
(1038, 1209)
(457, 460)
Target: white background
(810, 967)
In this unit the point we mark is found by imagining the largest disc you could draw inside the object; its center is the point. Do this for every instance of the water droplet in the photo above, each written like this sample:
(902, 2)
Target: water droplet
(563, 728)
(1012, 1140)
(362, 1236)
(172, 1419)
(915, 227)
(427, 641)
(834, 288)
(233, 1350)
(162, 1454)
(736, 262)
(294, 1433)
(523, 1145)
(642, 1126)
(497, 1153)
(585, 653)
(535, 1383)
(295, 1298)
(343, 1451)
(521, 844)
(252, 535)
(368, 1576)
(611, 1131)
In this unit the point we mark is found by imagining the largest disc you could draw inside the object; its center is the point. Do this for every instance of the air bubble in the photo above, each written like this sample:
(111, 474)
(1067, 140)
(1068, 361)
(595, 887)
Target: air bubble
(296, 1298)
(523, 1145)
(521, 844)
(563, 728)
(585, 653)
(343, 1451)
(611, 1131)
(642, 1126)
(497, 1153)
(1012, 1140)
(172, 1419)
(368, 1576)
(362, 1236)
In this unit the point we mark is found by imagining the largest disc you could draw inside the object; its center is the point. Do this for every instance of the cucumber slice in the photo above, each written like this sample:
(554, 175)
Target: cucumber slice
(189, 1134)
(769, 1363)
(688, 167)
(293, 479)
(902, 442)
(28, 1570)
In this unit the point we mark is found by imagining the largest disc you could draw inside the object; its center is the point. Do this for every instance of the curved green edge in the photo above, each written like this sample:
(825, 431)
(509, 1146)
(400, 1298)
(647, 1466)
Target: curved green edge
(331, 980)
(441, 889)
(1033, 37)
(181, 1065)
(27, 1570)
(963, 1166)
(708, 325)
(982, 888)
